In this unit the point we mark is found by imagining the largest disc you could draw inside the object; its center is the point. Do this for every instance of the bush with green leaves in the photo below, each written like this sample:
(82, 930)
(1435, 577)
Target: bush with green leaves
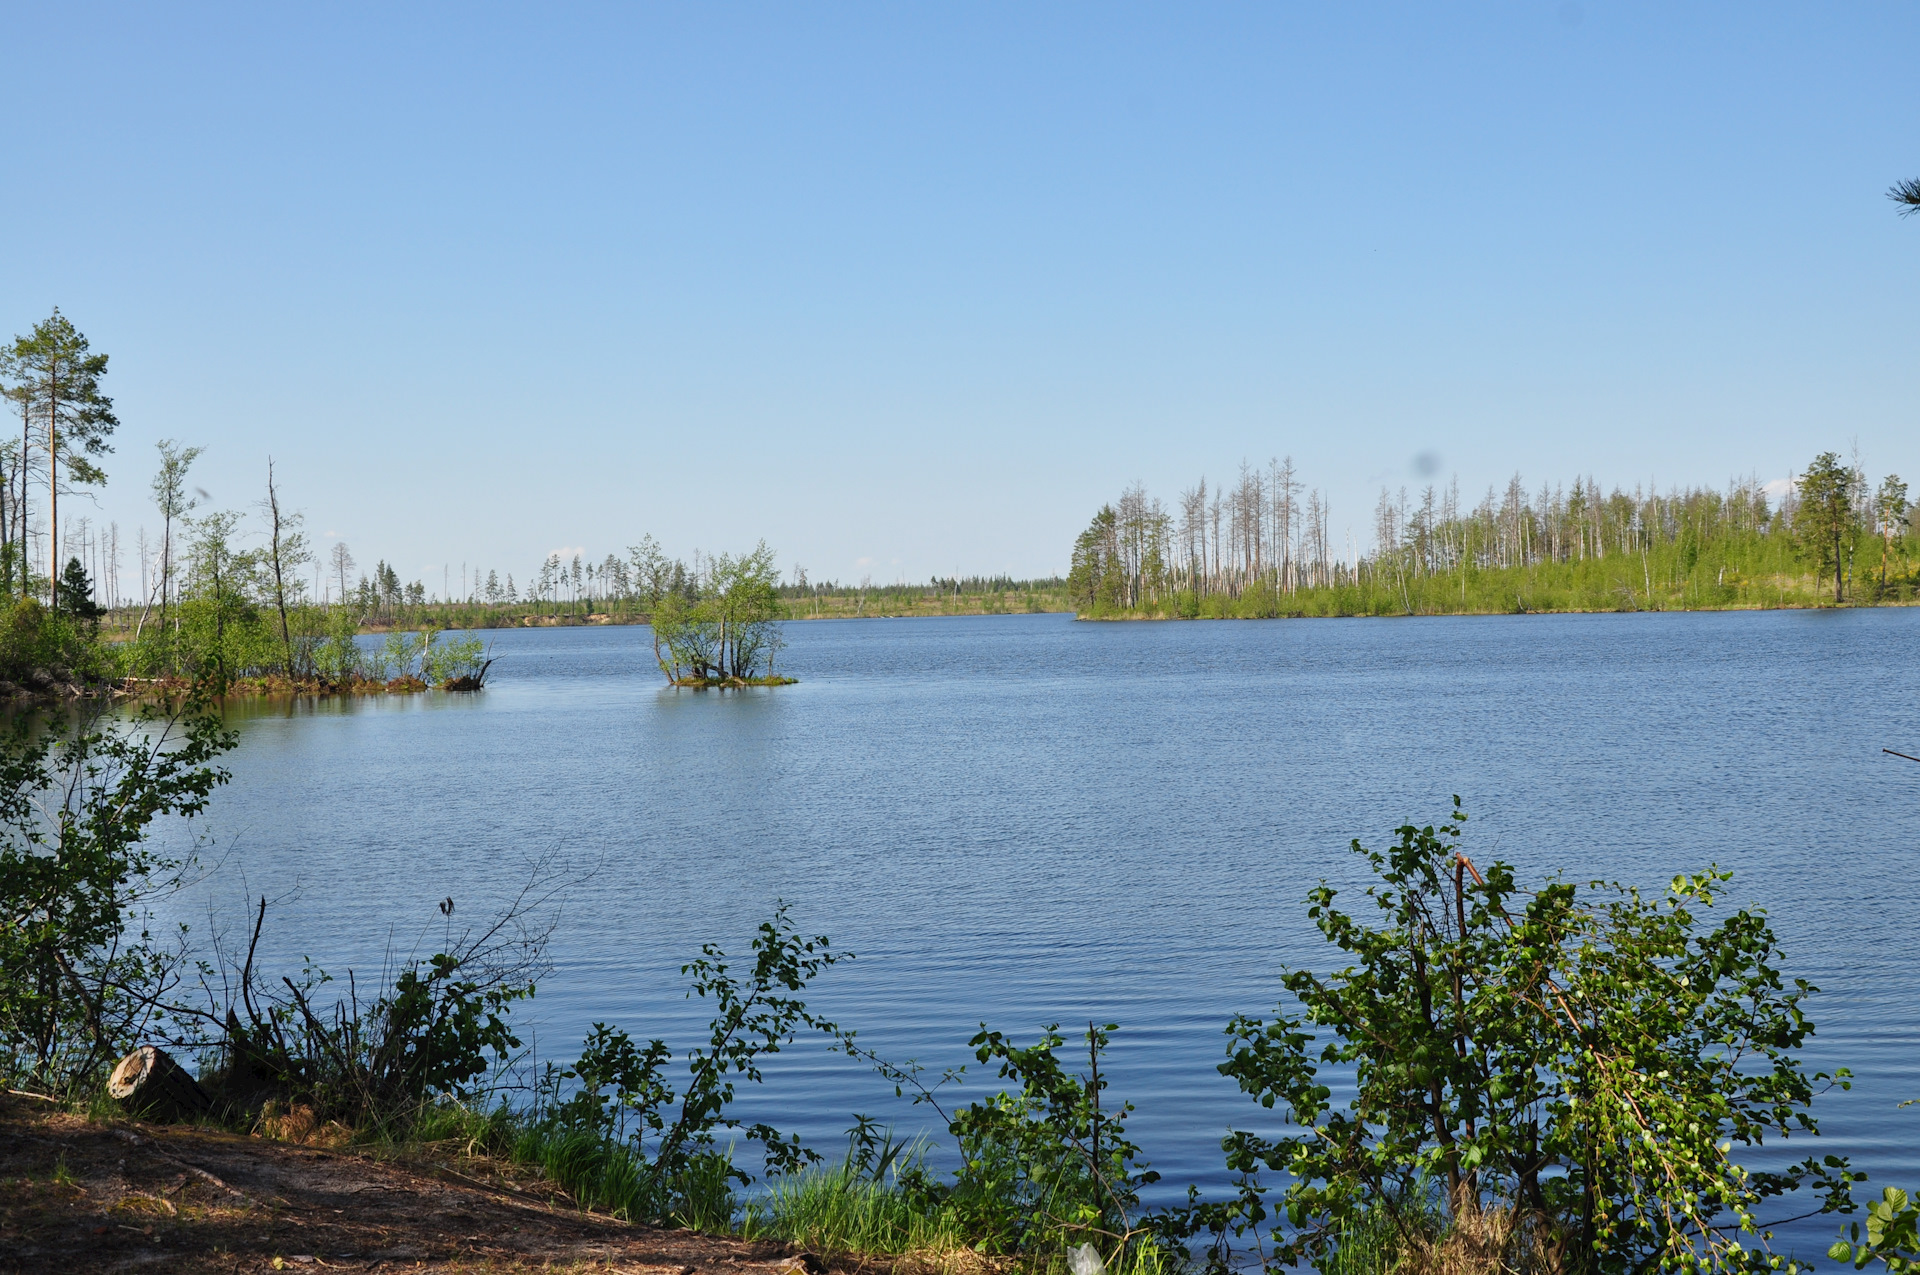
(1892, 1235)
(1043, 1164)
(625, 1098)
(1584, 1058)
(336, 656)
(454, 659)
(36, 643)
(82, 974)
(217, 631)
(427, 655)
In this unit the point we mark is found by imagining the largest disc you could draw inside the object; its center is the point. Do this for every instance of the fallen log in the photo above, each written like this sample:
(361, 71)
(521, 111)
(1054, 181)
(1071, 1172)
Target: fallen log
(149, 1083)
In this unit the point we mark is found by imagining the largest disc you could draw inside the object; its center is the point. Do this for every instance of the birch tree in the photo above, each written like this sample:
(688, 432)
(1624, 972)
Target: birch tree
(170, 497)
(722, 635)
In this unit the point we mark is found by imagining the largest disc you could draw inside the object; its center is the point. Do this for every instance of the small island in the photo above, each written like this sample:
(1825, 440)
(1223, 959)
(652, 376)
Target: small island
(721, 626)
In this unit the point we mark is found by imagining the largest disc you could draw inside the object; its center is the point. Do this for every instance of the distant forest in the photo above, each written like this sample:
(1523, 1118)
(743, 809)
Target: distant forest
(1264, 546)
(625, 588)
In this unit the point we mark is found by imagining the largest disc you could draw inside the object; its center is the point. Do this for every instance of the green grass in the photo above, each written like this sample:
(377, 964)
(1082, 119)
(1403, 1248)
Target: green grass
(838, 1210)
(841, 1210)
(610, 1177)
(1367, 1245)
(596, 1172)
(473, 1133)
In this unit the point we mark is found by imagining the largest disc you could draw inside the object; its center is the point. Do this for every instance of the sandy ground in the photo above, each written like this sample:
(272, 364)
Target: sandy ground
(80, 1196)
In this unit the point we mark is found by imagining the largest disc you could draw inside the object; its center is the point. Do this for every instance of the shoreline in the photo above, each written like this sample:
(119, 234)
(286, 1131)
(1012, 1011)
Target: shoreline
(1149, 617)
(81, 1193)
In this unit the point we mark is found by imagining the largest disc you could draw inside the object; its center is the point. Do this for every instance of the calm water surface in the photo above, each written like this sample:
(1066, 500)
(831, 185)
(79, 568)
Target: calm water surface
(1025, 820)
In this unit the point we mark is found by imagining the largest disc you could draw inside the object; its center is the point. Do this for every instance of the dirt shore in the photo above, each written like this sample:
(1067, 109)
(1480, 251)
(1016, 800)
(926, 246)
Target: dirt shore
(84, 1196)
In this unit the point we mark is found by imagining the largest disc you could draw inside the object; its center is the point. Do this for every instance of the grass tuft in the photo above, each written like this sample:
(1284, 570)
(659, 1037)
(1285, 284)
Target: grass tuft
(837, 1210)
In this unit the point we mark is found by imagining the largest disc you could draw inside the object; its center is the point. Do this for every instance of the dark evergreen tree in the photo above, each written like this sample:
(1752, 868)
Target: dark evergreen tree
(75, 597)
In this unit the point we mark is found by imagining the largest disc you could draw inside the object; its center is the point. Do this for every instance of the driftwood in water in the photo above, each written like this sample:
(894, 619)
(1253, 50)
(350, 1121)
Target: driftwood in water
(149, 1083)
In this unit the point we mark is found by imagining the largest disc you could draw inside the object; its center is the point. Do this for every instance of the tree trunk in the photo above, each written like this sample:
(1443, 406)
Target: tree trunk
(279, 585)
(1838, 596)
(148, 1082)
(53, 492)
(20, 505)
(166, 567)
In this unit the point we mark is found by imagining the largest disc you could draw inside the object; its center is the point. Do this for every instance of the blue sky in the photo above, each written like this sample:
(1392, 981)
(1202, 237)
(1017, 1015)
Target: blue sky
(906, 289)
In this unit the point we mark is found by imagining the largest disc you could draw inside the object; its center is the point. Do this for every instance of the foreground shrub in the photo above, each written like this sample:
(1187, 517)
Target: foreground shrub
(1043, 1166)
(1892, 1235)
(1046, 1167)
(664, 1136)
(1583, 1058)
(82, 977)
(436, 1028)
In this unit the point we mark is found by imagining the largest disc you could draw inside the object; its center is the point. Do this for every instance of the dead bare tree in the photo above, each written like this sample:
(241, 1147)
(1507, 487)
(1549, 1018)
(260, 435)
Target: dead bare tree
(286, 550)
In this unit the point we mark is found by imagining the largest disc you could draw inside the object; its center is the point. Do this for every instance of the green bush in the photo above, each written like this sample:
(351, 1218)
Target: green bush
(725, 625)
(1892, 1235)
(37, 643)
(1579, 1061)
(435, 1031)
(1044, 1165)
(336, 656)
(658, 1138)
(82, 977)
(453, 659)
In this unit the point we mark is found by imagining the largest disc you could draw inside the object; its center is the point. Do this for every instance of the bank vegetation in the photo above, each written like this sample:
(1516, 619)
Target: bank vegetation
(1260, 549)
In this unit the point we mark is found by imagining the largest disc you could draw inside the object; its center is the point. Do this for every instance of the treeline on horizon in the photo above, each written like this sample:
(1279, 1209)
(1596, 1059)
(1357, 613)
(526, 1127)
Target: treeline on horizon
(230, 595)
(1258, 549)
(626, 589)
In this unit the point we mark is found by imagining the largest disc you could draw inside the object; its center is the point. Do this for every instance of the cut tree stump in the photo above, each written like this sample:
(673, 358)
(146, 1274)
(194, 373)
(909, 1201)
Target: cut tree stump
(149, 1083)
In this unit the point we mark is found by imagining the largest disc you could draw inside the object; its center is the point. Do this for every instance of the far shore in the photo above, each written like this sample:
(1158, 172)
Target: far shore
(1136, 617)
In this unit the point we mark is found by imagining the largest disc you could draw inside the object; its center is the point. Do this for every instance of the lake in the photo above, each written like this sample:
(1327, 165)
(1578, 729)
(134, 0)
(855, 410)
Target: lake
(1025, 819)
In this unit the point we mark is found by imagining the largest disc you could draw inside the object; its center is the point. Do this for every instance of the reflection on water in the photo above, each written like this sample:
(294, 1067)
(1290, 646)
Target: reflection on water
(1024, 820)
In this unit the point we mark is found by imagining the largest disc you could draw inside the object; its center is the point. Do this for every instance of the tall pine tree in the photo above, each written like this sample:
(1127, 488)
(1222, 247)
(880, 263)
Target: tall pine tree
(57, 384)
